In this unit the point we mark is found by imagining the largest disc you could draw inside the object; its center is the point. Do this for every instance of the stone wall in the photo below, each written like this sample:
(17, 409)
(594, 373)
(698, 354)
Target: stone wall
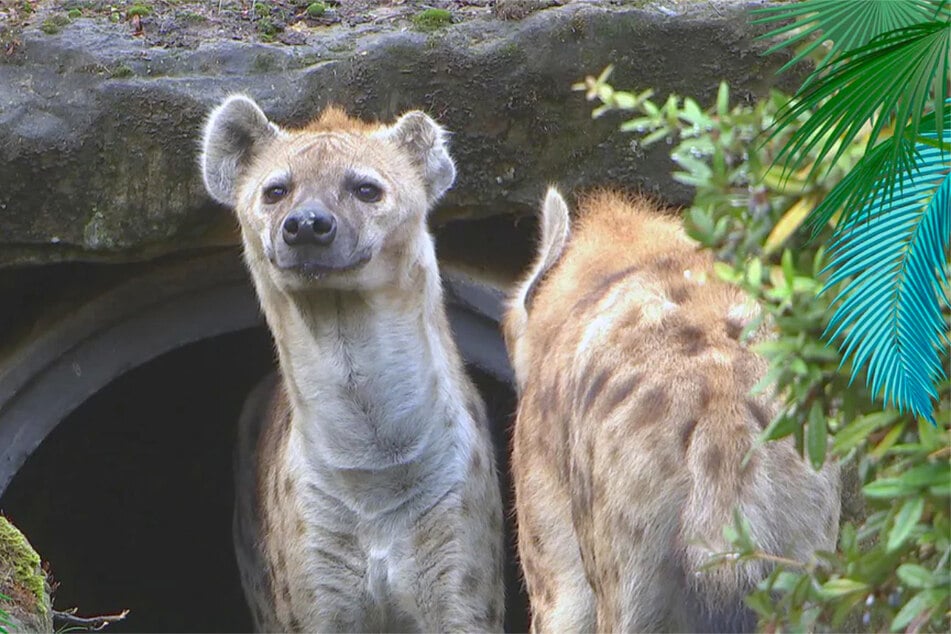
(98, 129)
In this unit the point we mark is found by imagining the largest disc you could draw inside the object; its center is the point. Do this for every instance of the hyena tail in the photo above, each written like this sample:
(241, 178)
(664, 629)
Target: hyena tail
(718, 584)
(554, 226)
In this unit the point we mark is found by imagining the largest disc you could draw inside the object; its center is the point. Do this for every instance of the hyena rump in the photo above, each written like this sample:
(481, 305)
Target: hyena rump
(367, 496)
(635, 415)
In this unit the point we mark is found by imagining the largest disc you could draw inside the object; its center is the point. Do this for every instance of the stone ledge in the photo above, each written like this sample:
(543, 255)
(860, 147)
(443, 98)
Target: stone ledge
(100, 165)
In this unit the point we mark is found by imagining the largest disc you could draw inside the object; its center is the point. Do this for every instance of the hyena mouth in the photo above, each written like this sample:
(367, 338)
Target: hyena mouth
(322, 269)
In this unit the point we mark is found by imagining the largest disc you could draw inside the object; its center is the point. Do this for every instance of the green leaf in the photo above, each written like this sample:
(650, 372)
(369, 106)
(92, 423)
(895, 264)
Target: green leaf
(692, 113)
(785, 581)
(843, 606)
(800, 592)
(816, 436)
(858, 430)
(759, 602)
(640, 124)
(928, 474)
(654, 137)
(841, 587)
(625, 101)
(915, 576)
(723, 99)
(888, 441)
(701, 220)
(789, 270)
(779, 427)
(940, 490)
(754, 272)
(887, 488)
(725, 271)
(857, 189)
(905, 522)
(922, 603)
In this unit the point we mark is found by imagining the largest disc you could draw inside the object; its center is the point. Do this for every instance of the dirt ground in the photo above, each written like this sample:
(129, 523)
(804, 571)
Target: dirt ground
(185, 23)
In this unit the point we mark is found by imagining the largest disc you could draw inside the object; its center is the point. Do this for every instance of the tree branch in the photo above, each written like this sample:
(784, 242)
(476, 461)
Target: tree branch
(68, 618)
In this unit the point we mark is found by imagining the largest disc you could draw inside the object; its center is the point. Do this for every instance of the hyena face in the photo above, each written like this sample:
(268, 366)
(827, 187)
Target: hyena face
(326, 205)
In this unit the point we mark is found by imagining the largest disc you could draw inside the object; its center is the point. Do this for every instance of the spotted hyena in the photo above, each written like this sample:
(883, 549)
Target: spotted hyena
(634, 418)
(367, 495)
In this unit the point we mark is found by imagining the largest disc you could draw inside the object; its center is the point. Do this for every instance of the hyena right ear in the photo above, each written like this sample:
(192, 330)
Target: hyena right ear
(554, 223)
(236, 130)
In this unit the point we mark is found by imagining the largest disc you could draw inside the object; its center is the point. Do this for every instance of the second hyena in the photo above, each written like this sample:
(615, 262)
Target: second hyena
(634, 419)
(367, 496)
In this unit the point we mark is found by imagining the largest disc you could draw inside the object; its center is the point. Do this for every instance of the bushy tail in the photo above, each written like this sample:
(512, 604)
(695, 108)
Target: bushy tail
(554, 224)
(714, 460)
(790, 509)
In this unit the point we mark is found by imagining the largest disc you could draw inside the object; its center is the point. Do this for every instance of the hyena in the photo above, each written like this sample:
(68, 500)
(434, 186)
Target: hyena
(367, 493)
(635, 415)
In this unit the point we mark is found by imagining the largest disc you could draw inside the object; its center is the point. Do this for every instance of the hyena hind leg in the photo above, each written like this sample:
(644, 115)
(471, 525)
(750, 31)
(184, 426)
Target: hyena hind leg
(559, 593)
(562, 601)
(646, 595)
(659, 595)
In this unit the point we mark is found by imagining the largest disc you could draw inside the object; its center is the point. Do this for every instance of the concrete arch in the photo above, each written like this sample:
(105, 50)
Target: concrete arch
(169, 306)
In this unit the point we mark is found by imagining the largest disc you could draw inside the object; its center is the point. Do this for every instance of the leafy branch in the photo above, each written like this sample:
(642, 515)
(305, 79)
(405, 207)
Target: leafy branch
(890, 570)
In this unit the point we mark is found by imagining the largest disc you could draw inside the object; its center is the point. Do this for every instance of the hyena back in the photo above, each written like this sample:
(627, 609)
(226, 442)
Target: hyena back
(367, 496)
(634, 419)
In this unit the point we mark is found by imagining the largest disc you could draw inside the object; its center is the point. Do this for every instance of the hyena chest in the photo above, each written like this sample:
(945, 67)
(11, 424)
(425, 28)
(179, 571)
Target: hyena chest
(313, 569)
(333, 579)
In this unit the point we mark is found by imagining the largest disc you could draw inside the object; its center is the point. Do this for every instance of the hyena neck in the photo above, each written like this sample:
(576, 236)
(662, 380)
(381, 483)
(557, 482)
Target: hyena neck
(375, 384)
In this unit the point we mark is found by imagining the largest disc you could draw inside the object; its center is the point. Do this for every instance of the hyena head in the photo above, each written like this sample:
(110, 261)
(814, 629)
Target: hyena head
(554, 228)
(334, 204)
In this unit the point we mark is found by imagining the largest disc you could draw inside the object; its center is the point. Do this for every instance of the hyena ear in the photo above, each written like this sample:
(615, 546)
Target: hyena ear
(554, 223)
(236, 130)
(425, 141)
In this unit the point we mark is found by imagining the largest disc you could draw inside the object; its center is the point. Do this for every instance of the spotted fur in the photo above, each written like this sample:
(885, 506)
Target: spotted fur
(635, 416)
(367, 493)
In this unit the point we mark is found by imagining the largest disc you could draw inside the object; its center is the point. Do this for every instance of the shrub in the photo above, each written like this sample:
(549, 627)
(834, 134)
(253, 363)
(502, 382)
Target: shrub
(890, 570)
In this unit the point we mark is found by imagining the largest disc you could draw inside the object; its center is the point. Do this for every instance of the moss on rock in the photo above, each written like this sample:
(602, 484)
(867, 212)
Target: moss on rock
(432, 19)
(23, 581)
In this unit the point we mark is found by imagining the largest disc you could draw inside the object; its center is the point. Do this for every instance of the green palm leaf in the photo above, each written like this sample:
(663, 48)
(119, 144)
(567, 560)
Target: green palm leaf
(890, 312)
(889, 80)
(850, 193)
(849, 24)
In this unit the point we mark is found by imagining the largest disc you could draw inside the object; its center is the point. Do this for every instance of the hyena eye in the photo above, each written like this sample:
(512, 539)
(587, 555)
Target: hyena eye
(274, 193)
(368, 192)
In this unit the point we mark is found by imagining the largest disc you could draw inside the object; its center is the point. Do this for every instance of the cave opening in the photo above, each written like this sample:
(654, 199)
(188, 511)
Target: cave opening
(130, 497)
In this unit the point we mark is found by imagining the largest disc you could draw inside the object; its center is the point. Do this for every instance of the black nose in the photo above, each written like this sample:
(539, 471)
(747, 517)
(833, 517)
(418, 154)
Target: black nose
(309, 226)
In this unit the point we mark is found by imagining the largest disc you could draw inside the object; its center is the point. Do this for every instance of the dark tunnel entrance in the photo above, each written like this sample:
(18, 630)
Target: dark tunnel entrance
(130, 496)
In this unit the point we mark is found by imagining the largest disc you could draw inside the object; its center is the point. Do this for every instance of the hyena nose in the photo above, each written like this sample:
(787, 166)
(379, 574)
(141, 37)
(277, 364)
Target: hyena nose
(309, 226)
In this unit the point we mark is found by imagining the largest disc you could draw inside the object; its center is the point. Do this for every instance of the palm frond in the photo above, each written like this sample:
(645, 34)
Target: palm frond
(890, 80)
(896, 74)
(858, 187)
(896, 254)
(848, 24)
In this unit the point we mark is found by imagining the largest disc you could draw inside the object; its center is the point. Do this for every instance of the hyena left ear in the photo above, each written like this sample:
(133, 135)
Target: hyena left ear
(425, 141)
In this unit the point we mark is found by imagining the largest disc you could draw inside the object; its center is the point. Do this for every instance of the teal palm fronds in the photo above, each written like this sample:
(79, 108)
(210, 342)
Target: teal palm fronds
(849, 24)
(890, 309)
(886, 76)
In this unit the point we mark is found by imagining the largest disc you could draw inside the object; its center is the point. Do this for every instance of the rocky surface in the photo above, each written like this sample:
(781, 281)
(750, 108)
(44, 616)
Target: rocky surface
(99, 125)
(26, 594)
